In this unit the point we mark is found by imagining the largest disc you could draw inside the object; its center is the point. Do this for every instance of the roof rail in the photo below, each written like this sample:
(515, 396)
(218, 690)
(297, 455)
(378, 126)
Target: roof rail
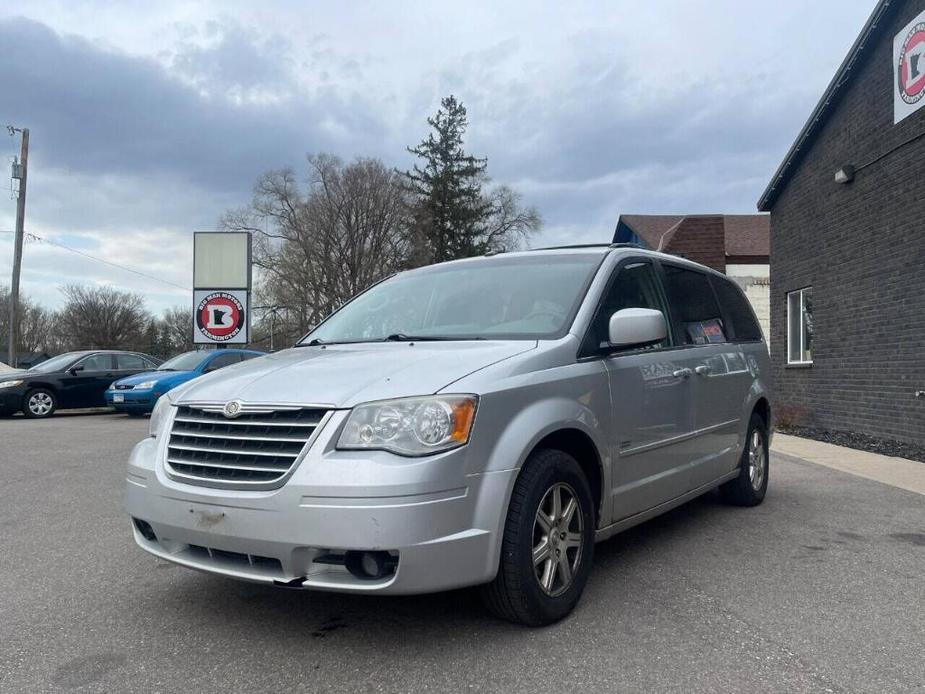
(571, 245)
(574, 246)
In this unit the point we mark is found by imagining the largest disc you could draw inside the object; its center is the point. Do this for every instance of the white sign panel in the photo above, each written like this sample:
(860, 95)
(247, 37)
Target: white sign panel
(220, 316)
(221, 260)
(909, 69)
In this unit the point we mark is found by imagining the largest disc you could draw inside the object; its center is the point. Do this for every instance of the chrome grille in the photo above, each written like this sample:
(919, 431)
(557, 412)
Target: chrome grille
(257, 449)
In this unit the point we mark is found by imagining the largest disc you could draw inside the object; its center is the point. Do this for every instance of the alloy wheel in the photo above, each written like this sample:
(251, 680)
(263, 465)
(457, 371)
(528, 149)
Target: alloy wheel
(40, 404)
(557, 539)
(757, 460)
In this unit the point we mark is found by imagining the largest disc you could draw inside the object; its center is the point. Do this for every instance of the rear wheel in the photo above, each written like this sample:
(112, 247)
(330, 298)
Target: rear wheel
(548, 544)
(749, 488)
(39, 403)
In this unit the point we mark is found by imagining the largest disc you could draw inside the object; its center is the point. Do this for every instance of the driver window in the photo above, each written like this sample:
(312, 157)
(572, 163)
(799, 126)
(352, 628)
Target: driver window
(635, 286)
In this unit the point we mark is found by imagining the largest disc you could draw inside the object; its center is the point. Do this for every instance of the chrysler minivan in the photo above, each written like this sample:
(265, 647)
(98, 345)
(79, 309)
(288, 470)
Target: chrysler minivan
(481, 422)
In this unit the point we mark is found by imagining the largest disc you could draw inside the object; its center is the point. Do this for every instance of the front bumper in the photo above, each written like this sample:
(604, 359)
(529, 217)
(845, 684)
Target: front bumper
(11, 399)
(444, 525)
(132, 401)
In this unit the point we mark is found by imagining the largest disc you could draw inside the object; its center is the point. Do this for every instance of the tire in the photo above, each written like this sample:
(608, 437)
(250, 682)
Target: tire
(39, 403)
(516, 593)
(749, 488)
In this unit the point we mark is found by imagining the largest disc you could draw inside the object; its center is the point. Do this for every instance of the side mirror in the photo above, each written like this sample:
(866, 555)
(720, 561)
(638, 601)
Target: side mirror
(74, 370)
(637, 327)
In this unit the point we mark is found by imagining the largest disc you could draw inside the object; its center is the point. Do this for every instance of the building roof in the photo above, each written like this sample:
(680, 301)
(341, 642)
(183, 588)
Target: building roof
(823, 108)
(744, 234)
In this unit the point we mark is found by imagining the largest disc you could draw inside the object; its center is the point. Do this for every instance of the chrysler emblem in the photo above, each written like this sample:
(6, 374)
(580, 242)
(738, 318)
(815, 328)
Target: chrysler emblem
(232, 409)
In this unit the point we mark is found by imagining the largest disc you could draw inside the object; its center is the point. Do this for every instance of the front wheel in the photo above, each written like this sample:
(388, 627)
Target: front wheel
(749, 488)
(39, 403)
(548, 543)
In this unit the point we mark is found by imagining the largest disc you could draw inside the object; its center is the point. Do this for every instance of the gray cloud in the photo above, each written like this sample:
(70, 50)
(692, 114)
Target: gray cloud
(132, 145)
(93, 110)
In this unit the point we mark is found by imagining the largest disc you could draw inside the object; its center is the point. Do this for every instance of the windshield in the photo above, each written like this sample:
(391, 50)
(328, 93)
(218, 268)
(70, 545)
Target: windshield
(492, 298)
(58, 363)
(183, 362)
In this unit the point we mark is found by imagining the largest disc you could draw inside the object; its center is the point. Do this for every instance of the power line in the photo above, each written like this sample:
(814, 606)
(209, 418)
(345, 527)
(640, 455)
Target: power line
(40, 239)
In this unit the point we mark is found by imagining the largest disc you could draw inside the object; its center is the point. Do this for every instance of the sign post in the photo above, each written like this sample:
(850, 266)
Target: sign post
(221, 287)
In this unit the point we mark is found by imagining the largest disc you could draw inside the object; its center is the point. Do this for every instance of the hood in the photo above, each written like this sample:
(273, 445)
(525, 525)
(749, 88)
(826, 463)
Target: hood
(345, 375)
(174, 377)
(23, 374)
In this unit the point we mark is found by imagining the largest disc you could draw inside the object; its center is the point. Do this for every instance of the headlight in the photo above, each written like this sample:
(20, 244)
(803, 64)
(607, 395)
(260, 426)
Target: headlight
(112, 386)
(410, 426)
(159, 415)
(10, 384)
(147, 385)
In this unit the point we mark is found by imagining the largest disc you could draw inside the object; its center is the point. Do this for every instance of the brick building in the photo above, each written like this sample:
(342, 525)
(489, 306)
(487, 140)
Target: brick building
(847, 211)
(736, 244)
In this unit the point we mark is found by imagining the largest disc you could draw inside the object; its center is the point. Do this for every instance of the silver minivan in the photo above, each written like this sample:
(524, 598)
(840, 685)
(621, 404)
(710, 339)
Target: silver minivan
(481, 422)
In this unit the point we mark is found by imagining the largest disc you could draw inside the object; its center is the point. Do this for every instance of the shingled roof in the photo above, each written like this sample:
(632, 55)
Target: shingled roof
(745, 235)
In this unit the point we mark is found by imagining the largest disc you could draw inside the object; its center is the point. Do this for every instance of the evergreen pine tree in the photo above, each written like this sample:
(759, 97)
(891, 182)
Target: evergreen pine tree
(451, 213)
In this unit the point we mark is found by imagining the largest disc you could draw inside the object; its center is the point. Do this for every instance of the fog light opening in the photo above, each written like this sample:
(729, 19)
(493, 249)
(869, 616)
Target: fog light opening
(147, 532)
(370, 565)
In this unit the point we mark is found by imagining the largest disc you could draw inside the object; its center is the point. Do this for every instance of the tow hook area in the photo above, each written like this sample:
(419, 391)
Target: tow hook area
(294, 583)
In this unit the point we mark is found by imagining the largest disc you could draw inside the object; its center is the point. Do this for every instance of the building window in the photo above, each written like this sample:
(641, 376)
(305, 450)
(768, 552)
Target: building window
(800, 326)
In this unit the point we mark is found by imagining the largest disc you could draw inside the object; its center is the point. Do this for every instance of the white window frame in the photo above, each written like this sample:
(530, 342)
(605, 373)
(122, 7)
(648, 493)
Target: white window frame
(799, 361)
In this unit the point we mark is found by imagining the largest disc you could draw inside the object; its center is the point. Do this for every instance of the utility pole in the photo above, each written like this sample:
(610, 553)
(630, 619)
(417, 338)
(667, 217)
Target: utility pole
(17, 242)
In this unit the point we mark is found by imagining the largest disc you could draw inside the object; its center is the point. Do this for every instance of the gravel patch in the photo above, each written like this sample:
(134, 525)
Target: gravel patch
(861, 442)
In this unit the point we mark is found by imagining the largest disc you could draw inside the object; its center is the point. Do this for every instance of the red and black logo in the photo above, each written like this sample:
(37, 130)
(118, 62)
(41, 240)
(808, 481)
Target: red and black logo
(911, 72)
(220, 316)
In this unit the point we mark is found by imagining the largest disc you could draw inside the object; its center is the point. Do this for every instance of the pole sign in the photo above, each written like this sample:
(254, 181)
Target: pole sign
(909, 69)
(221, 287)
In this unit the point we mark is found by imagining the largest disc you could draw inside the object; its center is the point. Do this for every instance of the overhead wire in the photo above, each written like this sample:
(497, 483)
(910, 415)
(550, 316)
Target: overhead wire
(41, 239)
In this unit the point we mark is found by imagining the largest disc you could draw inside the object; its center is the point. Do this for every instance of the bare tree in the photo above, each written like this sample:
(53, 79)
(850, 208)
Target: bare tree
(176, 331)
(103, 317)
(37, 325)
(320, 246)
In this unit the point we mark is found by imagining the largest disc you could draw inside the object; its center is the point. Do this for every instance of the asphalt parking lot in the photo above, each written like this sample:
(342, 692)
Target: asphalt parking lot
(819, 589)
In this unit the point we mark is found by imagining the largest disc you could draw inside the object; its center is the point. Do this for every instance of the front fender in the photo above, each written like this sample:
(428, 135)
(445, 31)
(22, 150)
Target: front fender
(510, 424)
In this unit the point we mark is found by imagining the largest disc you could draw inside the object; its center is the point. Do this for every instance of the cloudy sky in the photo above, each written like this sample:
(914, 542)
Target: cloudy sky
(148, 120)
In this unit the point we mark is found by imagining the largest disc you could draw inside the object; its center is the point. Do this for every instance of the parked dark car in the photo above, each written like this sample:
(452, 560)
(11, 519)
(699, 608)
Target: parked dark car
(75, 379)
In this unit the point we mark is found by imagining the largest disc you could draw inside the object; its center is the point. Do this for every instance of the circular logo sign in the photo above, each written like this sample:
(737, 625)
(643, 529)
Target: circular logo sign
(911, 72)
(220, 316)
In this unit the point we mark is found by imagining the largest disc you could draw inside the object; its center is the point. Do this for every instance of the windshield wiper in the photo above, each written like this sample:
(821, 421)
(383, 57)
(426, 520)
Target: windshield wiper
(314, 342)
(402, 337)
(394, 337)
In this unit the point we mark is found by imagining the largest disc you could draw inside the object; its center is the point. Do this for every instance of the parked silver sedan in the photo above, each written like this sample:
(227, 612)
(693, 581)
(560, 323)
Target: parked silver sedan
(479, 422)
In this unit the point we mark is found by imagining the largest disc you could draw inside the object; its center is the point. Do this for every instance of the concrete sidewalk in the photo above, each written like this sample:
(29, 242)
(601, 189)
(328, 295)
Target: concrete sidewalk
(897, 472)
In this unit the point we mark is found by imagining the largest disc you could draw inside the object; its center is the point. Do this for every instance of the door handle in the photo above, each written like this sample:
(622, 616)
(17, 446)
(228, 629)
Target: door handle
(702, 370)
(681, 373)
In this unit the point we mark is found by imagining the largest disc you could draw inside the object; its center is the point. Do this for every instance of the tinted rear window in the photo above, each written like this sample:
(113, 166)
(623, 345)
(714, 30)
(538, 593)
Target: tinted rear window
(694, 306)
(739, 313)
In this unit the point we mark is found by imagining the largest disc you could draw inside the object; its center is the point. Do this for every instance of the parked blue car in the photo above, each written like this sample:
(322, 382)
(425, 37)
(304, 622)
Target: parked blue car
(137, 394)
